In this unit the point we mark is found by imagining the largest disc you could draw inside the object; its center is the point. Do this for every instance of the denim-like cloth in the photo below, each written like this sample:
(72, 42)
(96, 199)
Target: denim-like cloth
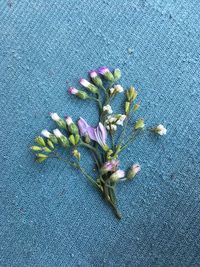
(51, 216)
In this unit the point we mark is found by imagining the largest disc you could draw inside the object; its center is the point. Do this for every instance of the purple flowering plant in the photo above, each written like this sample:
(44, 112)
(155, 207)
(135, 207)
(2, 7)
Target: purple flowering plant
(106, 141)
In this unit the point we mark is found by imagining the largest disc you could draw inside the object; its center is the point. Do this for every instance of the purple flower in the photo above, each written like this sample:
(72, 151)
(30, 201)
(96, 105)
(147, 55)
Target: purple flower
(110, 166)
(103, 70)
(85, 129)
(98, 134)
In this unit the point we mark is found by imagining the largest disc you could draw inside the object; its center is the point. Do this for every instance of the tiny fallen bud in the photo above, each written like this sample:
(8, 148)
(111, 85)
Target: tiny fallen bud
(133, 171)
(36, 148)
(95, 78)
(117, 74)
(107, 109)
(160, 129)
(139, 124)
(105, 72)
(91, 87)
(116, 176)
(40, 141)
(136, 107)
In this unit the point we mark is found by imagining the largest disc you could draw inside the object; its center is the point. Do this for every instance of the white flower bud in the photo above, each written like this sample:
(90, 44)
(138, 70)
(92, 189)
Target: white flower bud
(108, 109)
(57, 133)
(119, 88)
(161, 130)
(46, 133)
(55, 116)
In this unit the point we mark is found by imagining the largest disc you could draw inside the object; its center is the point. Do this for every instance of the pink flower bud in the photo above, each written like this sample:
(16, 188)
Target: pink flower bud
(133, 170)
(84, 83)
(93, 74)
(68, 120)
(73, 91)
(103, 70)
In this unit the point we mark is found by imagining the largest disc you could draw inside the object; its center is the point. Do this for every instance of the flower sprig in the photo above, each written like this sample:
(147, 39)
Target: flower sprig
(113, 133)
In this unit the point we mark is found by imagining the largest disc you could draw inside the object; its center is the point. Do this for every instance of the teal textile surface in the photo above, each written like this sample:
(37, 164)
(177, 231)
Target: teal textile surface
(50, 216)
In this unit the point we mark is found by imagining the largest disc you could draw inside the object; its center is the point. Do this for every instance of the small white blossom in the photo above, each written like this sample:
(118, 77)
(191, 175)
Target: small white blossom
(161, 130)
(57, 133)
(120, 121)
(112, 90)
(113, 127)
(119, 88)
(55, 116)
(108, 109)
(46, 133)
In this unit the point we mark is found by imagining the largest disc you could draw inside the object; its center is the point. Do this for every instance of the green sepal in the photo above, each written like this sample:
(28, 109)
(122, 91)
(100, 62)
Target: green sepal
(108, 76)
(53, 139)
(97, 81)
(73, 128)
(63, 141)
(61, 123)
(83, 95)
(40, 141)
(92, 88)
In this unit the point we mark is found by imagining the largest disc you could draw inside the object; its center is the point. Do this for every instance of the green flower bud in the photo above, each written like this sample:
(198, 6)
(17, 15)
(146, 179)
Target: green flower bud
(95, 78)
(53, 139)
(117, 74)
(77, 138)
(50, 144)
(76, 154)
(36, 148)
(131, 94)
(118, 148)
(139, 124)
(72, 140)
(83, 95)
(127, 107)
(92, 88)
(46, 149)
(40, 158)
(63, 141)
(40, 141)
(87, 139)
(61, 123)
(73, 128)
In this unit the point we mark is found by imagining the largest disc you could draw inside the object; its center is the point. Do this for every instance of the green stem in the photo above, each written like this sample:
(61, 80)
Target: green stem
(93, 149)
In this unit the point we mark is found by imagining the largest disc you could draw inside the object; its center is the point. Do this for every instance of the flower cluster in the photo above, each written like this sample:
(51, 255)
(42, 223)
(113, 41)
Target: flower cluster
(106, 141)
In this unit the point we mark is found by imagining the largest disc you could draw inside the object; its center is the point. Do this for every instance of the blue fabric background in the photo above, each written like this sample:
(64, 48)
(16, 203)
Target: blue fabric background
(50, 215)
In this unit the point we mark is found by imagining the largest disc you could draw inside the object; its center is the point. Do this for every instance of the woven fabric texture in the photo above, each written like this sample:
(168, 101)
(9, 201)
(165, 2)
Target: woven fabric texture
(50, 215)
